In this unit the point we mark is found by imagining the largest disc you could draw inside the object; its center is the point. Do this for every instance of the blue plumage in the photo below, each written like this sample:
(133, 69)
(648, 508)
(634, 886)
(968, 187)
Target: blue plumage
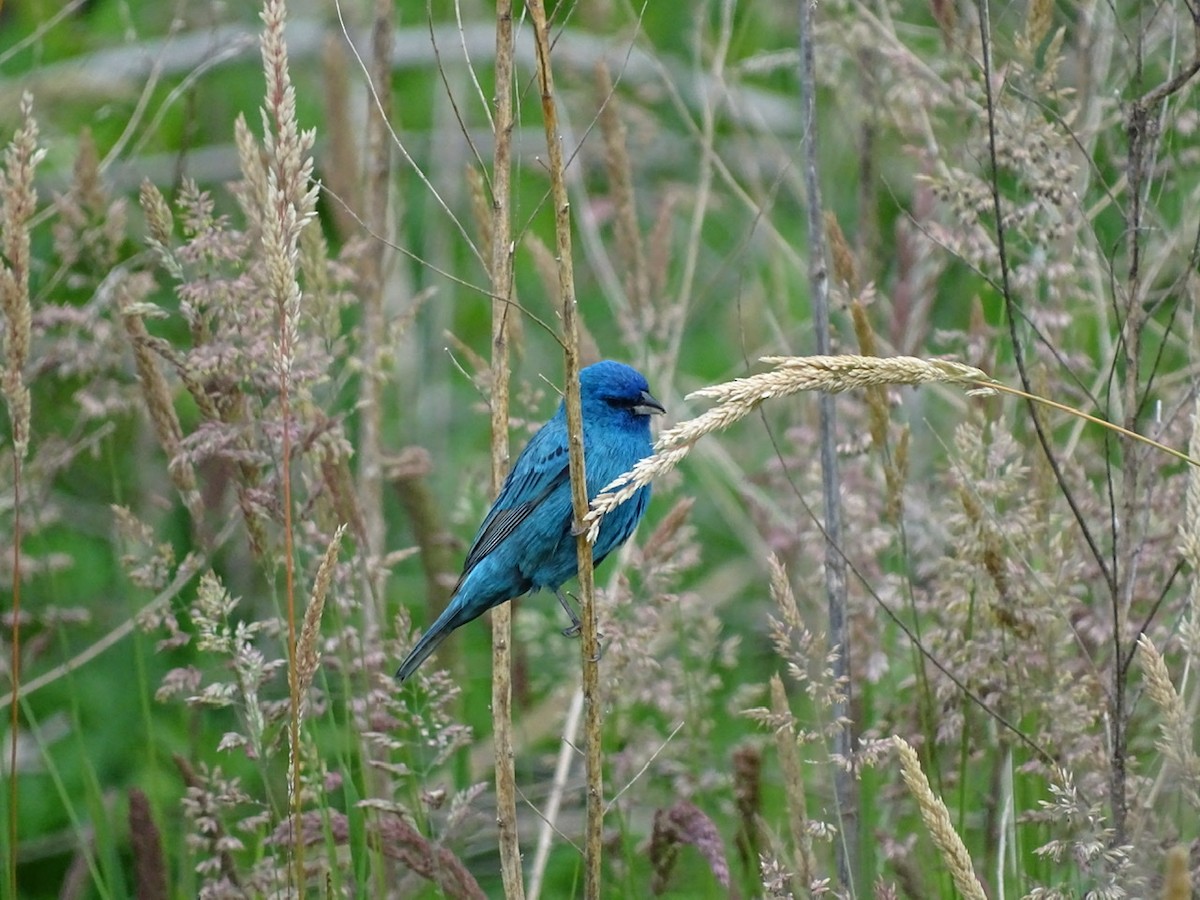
(525, 542)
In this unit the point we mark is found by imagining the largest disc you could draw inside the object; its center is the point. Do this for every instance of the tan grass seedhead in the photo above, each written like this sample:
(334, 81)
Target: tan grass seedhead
(937, 820)
(792, 374)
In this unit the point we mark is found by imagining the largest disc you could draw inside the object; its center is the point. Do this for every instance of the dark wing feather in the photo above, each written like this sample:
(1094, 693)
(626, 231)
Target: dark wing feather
(541, 468)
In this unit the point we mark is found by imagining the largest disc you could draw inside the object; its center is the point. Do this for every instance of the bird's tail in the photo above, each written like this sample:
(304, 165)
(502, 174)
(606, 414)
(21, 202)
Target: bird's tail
(450, 619)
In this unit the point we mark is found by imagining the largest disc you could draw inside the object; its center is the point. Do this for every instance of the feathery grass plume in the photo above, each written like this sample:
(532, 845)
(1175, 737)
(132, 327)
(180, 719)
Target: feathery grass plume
(1177, 879)
(160, 226)
(220, 631)
(792, 374)
(810, 662)
(685, 823)
(793, 785)
(208, 801)
(156, 394)
(18, 202)
(844, 269)
(150, 868)
(1038, 17)
(289, 205)
(290, 200)
(937, 820)
(1178, 727)
(308, 654)
(90, 227)
(895, 460)
(147, 562)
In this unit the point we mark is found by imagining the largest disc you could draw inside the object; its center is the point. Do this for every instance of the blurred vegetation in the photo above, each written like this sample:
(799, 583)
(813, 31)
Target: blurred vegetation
(980, 598)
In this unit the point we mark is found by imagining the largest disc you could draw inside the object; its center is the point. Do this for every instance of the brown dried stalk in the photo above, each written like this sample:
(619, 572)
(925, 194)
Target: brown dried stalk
(500, 269)
(587, 588)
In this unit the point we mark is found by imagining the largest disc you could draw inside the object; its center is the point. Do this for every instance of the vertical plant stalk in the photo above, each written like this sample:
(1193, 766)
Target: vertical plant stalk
(290, 206)
(375, 198)
(835, 563)
(587, 586)
(501, 277)
(1142, 132)
(19, 202)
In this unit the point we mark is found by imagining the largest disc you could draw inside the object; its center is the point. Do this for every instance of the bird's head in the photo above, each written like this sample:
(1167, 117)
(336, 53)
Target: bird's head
(609, 389)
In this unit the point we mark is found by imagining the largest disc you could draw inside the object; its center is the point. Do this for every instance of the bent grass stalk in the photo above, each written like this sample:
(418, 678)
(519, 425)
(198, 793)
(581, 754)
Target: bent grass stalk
(796, 374)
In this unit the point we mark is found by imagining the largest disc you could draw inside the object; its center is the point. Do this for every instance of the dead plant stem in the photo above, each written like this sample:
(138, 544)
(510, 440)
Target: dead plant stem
(501, 277)
(579, 497)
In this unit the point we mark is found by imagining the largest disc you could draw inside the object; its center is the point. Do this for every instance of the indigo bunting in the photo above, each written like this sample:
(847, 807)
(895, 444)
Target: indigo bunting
(526, 542)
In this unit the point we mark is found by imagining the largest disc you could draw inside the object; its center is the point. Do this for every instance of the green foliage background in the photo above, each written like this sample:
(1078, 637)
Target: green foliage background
(978, 552)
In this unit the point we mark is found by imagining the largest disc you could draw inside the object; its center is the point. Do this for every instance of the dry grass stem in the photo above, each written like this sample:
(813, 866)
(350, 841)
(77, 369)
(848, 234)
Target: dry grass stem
(498, 230)
(937, 820)
(589, 645)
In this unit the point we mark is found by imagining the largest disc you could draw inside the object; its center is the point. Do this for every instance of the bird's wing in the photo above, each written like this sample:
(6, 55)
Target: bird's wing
(541, 469)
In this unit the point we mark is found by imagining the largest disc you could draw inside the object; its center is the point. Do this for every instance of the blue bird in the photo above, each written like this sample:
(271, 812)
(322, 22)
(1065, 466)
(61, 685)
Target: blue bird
(526, 541)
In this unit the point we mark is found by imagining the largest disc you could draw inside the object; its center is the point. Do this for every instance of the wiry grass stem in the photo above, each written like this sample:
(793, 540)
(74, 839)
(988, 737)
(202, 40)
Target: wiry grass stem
(502, 288)
(570, 328)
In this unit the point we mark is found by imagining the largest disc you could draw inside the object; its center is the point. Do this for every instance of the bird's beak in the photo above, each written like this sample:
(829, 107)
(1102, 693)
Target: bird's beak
(648, 406)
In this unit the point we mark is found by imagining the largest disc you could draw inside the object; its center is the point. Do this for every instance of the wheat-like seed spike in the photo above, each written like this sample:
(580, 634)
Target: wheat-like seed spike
(308, 656)
(738, 398)
(1177, 729)
(937, 820)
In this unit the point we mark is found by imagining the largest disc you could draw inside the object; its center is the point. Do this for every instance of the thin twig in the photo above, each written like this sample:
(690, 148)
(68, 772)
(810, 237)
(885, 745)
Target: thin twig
(570, 329)
(835, 566)
(501, 273)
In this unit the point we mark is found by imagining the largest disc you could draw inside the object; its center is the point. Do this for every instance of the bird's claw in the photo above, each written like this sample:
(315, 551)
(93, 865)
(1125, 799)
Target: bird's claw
(573, 630)
(600, 648)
